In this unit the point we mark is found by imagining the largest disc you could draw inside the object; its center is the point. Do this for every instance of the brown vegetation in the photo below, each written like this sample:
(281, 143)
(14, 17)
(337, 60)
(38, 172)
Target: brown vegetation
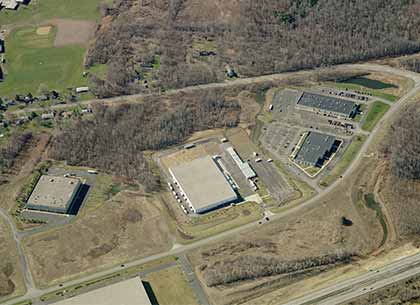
(254, 37)
(401, 185)
(11, 150)
(250, 267)
(412, 64)
(115, 138)
(126, 227)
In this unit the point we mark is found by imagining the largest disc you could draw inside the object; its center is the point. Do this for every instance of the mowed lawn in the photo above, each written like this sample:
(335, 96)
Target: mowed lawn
(345, 161)
(169, 287)
(32, 61)
(42, 10)
(376, 111)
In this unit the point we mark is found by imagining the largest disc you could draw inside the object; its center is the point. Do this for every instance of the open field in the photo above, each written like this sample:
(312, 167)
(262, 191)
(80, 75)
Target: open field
(293, 239)
(218, 221)
(346, 159)
(11, 280)
(40, 11)
(170, 287)
(376, 111)
(34, 63)
(126, 226)
(71, 32)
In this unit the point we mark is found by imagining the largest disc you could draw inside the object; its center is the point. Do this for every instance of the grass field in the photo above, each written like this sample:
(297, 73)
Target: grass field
(345, 161)
(40, 11)
(219, 221)
(170, 287)
(371, 203)
(374, 87)
(376, 111)
(33, 62)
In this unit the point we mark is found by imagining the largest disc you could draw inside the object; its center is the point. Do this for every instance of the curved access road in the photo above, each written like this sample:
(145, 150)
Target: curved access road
(36, 293)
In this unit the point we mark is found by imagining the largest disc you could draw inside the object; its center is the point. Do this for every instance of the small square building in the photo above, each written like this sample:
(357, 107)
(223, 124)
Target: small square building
(54, 194)
(316, 148)
(203, 185)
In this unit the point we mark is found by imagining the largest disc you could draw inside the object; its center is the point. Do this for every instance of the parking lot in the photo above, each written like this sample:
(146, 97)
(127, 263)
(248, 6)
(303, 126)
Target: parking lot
(284, 112)
(276, 184)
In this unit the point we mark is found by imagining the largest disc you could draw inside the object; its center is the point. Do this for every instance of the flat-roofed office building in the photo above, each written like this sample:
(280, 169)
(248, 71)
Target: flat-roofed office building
(54, 194)
(203, 184)
(327, 105)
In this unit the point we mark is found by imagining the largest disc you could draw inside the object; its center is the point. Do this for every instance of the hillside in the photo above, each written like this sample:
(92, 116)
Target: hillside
(163, 44)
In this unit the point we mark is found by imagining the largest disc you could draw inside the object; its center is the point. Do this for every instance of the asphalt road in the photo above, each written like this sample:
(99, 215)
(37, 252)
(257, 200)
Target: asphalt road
(348, 290)
(34, 293)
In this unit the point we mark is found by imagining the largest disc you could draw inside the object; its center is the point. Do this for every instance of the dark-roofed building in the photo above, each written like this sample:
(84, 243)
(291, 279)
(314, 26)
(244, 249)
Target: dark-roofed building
(327, 105)
(1, 45)
(316, 148)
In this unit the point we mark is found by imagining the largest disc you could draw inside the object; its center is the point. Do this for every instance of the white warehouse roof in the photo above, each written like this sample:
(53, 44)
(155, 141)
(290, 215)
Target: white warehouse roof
(203, 183)
(129, 292)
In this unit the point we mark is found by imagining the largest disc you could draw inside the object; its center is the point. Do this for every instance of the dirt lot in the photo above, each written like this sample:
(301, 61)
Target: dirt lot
(11, 281)
(126, 227)
(71, 32)
(312, 233)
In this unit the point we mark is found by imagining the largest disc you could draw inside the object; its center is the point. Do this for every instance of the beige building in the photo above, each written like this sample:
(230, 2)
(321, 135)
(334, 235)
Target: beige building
(54, 194)
(129, 292)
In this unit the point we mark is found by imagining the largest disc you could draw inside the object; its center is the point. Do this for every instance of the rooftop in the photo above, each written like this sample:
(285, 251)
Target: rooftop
(55, 192)
(327, 103)
(314, 147)
(203, 182)
(129, 292)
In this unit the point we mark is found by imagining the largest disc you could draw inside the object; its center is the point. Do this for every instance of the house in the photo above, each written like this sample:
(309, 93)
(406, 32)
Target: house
(1, 45)
(11, 4)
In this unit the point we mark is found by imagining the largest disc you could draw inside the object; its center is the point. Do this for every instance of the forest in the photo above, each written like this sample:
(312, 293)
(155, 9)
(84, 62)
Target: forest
(153, 45)
(9, 151)
(116, 137)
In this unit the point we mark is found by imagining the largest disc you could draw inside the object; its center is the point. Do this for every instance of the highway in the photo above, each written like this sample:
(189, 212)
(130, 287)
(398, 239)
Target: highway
(33, 293)
(355, 287)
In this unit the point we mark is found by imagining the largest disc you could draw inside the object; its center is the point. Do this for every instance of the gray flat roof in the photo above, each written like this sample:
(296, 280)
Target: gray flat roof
(327, 103)
(203, 182)
(129, 292)
(314, 147)
(55, 192)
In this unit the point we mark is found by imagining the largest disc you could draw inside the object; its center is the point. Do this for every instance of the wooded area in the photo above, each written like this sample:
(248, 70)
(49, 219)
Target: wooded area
(115, 138)
(251, 267)
(155, 44)
(405, 144)
(12, 148)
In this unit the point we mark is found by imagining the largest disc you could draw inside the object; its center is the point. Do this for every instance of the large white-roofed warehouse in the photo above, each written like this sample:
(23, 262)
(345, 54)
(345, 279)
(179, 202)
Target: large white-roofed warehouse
(203, 184)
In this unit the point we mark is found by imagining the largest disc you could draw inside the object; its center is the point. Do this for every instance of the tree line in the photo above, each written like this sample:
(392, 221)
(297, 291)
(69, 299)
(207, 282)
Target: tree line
(250, 267)
(13, 147)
